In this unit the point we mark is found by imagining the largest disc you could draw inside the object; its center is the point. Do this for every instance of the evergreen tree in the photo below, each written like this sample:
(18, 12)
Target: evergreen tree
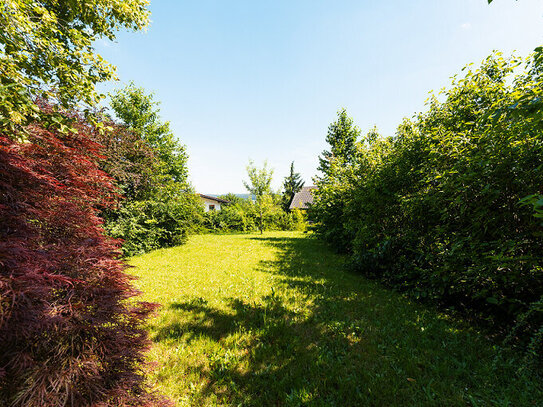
(292, 184)
(342, 136)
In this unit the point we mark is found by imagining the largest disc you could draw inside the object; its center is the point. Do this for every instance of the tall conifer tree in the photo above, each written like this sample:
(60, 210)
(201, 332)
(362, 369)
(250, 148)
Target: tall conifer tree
(342, 137)
(293, 183)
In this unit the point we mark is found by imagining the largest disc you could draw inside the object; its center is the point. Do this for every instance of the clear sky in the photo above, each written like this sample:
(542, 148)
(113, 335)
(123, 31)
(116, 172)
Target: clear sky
(264, 79)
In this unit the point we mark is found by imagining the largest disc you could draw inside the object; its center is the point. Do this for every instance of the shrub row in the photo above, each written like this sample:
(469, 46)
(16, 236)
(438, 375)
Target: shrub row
(145, 225)
(243, 216)
(445, 209)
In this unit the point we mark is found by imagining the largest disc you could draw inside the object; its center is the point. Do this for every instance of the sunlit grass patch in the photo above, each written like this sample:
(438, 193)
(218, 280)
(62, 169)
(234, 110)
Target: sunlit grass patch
(275, 320)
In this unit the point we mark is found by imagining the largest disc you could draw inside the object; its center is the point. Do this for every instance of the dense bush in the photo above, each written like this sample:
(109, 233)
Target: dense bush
(336, 182)
(149, 165)
(68, 335)
(438, 210)
(231, 218)
(298, 219)
(243, 216)
(266, 212)
(165, 220)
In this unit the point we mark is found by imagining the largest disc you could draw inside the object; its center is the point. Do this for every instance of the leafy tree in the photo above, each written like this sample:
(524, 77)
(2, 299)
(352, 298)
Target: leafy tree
(132, 162)
(46, 51)
(141, 115)
(292, 184)
(67, 332)
(342, 136)
(259, 185)
(160, 209)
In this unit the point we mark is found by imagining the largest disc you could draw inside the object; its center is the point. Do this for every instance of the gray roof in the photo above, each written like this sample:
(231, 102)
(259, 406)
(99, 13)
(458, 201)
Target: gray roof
(214, 198)
(303, 198)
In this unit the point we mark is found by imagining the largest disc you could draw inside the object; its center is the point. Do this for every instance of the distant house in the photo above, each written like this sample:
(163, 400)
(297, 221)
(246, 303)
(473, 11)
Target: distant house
(212, 203)
(303, 199)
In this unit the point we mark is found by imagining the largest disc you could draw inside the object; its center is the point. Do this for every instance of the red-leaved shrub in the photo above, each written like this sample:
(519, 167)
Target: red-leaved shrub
(68, 335)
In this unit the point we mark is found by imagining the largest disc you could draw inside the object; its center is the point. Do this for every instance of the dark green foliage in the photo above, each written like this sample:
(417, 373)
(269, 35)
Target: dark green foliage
(150, 166)
(292, 184)
(141, 115)
(342, 137)
(438, 210)
(131, 161)
(162, 221)
(335, 182)
(331, 198)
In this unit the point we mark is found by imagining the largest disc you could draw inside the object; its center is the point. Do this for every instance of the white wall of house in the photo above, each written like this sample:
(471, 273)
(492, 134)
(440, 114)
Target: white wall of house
(210, 205)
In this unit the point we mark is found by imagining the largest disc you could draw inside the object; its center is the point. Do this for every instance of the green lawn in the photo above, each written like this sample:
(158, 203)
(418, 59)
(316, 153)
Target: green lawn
(275, 320)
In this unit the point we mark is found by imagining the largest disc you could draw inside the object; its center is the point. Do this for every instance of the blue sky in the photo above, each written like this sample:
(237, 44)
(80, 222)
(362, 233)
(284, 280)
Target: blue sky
(264, 79)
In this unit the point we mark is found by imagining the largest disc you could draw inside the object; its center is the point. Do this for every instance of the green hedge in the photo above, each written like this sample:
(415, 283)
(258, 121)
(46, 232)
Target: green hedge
(445, 209)
(163, 221)
(243, 216)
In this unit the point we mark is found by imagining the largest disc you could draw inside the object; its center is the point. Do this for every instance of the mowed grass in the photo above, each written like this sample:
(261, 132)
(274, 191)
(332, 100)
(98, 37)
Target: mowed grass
(275, 320)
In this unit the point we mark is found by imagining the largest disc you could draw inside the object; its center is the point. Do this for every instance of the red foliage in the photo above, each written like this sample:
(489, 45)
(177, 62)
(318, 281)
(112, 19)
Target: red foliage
(68, 337)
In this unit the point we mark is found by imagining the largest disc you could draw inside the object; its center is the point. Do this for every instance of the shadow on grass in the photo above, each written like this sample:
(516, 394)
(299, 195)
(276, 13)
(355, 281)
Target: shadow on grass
(327, 337)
